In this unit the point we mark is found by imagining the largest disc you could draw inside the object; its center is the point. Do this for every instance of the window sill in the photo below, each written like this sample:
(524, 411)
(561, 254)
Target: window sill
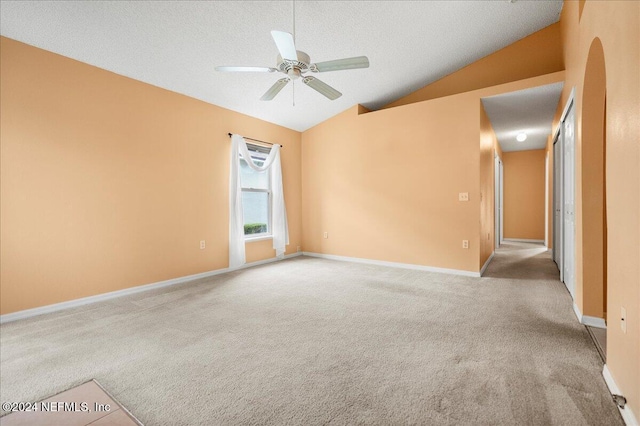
(258, 238)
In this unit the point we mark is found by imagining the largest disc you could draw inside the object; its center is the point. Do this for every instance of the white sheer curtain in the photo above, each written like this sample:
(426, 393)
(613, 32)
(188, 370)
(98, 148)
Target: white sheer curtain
(279, 228)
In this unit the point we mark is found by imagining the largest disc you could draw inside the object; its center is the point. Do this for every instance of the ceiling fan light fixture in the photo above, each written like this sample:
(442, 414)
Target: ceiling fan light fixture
(294, 73)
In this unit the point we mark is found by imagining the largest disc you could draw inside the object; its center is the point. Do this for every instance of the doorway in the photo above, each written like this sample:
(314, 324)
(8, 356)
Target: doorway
(564, 197)
(499, 191)
(568, 195)
(593, 155)
(557, 204)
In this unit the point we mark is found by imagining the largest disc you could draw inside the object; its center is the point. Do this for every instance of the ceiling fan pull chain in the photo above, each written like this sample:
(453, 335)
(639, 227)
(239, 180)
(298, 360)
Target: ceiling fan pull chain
(293, 92)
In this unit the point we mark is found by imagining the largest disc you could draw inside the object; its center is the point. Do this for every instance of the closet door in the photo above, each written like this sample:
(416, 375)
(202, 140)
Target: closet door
(557, 203)
(568, 195)
(498, 200)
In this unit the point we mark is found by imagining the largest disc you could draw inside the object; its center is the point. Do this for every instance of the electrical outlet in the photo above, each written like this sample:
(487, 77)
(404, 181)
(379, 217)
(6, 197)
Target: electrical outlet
(463, 196)
(326, 234)
(623, 320)
(299, 249)
(465, 244)
(202, 245)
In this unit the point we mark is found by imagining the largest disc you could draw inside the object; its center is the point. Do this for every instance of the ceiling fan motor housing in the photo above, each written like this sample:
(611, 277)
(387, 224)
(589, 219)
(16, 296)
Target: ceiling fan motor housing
(300, 64)
(294, 69)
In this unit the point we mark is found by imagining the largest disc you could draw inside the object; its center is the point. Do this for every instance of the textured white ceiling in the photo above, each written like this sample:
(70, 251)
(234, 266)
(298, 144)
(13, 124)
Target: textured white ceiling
(529, 111)
(177, 44)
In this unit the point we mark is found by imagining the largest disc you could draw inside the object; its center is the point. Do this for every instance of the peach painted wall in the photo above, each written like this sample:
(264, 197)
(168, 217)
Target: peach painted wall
(537, 54)
(617, 25)
(109, 183)
(524, 194)
(385, 184)
(488, 144)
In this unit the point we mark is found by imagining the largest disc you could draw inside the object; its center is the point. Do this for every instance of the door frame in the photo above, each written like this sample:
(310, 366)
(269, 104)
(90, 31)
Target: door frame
(558, 206)
(546, 200)
(559, 137)
(499, 195)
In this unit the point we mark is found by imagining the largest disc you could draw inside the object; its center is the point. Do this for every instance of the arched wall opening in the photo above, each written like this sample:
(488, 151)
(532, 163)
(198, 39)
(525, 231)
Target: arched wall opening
(594, 227)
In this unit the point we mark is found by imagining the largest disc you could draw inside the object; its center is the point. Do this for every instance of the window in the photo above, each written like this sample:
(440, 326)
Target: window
(256, 195)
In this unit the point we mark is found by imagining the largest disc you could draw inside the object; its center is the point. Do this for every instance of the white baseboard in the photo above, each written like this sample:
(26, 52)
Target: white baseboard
(523, 240)
(28, 313)
(576, 311)
(587, 320)
(486, 264)
(393, 264)
(627, 415)
(594, 322)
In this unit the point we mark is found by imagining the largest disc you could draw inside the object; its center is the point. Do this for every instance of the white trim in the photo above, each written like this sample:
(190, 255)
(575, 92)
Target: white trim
(393, 264)
(497, 208)
(588, 320)
(486, 264)
(28, 313)
(524, 240)
(546, 198)
(627, 415)
(565, 111)
(576, 311)
(260, 237)
(594, 322)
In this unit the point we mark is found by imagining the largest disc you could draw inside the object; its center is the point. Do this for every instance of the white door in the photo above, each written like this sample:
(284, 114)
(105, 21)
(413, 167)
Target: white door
(557, 203)
(546, 200)
(498, 198)
(501, 200)
(568, 195)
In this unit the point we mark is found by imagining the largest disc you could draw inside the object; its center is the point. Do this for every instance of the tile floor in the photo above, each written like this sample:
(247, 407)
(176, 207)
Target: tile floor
(87, 404)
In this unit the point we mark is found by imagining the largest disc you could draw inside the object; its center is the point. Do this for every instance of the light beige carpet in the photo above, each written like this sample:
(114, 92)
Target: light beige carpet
(313, 341)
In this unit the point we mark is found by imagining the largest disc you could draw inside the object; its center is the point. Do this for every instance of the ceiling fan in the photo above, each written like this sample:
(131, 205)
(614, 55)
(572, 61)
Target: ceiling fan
(295, 64)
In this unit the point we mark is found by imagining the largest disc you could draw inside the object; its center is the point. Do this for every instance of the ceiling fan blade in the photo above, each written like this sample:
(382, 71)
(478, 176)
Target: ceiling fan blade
(341, 64)
(246, 69)
(322, 88)
(286, 47)
(275, 89)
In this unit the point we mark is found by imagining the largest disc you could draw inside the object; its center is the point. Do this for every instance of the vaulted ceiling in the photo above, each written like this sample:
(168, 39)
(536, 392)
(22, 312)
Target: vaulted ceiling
(177, 44)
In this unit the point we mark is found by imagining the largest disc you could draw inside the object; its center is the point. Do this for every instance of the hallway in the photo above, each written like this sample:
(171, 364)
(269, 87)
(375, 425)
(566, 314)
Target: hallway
(531, 264)
(527, 261)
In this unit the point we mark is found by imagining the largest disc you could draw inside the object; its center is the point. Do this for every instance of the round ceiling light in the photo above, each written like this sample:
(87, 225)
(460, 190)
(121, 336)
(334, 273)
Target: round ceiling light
(521, 137)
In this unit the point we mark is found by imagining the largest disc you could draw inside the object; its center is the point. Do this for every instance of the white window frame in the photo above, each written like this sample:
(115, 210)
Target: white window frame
(263, 235)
